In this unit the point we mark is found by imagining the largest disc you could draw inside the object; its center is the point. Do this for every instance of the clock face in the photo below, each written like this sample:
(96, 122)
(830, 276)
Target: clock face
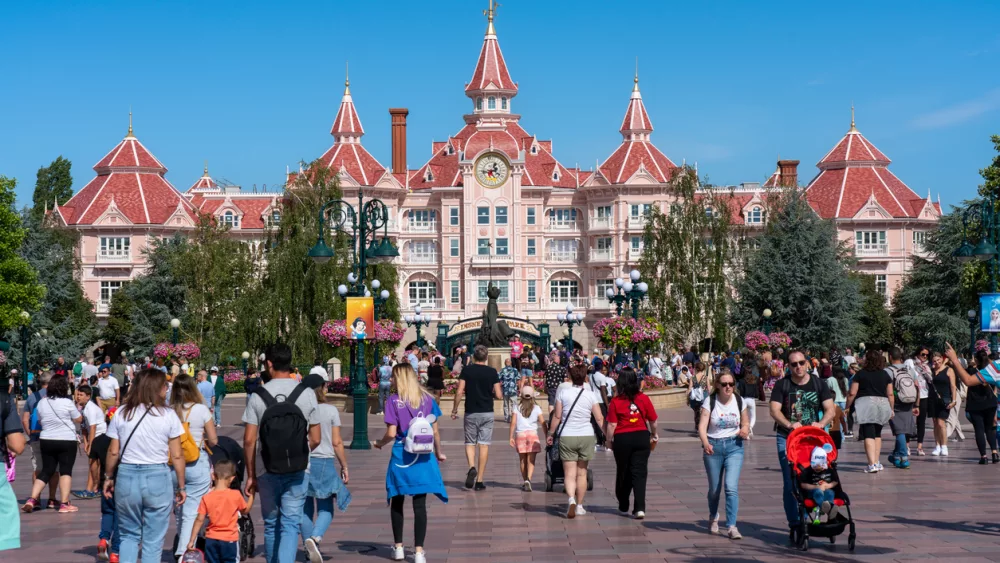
(492, 170)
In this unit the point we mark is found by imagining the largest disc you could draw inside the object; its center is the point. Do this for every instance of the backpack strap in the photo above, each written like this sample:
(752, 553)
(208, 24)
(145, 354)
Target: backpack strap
(269, 400)
(299, 389)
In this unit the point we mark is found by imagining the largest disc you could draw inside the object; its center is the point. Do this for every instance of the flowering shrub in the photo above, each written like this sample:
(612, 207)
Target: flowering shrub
(779, 340)
(757, 340)
(981, 346)
(625, 332)
(168, 351)
(342, 386)
(335, 332)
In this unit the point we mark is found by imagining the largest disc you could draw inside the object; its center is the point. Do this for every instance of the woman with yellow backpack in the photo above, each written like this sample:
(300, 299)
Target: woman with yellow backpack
(196, 442)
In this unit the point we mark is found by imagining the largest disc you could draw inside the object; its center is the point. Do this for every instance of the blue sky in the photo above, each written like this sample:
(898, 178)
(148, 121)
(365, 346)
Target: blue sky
(253, 87)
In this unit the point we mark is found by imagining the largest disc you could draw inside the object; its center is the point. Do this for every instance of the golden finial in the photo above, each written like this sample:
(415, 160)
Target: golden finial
(853, 129)
(635, 87)
(129, 135)
(347, 79)
(490, 13)
(206, 167)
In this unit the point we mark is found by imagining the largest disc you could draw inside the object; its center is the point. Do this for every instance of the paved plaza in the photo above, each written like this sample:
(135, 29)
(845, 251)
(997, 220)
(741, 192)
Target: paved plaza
(938, 509)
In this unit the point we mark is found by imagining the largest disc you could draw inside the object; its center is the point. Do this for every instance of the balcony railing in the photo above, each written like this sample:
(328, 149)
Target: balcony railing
(486, 259)
(501, 299)
(114, 256)
(634, 254)
(563, 225)
(601, 302)
(421, 258)
(103, 307)
(871, 249)
(421, 227)
(637, 221)
(425, 303)
(562, 256)
(602, 254)
(561, 302)
(392, 225)
(600, 222)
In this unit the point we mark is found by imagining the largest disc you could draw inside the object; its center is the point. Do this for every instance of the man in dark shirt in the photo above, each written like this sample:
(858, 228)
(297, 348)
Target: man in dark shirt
(480, 384)
(690, 357)
(798, 400)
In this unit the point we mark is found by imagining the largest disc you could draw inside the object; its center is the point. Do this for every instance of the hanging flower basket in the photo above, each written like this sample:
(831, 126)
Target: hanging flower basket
(625, 332)
(779, 340)
(168, 351)
(386, 331)
(757, 340)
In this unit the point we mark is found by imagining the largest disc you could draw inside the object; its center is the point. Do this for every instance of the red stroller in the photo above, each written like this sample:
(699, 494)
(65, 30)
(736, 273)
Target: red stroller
(798, 448)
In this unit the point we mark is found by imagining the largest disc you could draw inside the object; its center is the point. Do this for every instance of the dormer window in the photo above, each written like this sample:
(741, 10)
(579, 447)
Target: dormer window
(430, 177)
(555, 176)
(275, 217)
(534, 149)
(451, 149)
(231, 220)
(492, 103)
(479, 103)
(503, 102)
(755, 216)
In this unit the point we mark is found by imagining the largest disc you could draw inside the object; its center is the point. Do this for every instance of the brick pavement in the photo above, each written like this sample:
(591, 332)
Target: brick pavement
(926, 512)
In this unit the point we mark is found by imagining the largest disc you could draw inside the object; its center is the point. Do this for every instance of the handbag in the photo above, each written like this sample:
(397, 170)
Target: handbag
(598, 432)
(121, 452)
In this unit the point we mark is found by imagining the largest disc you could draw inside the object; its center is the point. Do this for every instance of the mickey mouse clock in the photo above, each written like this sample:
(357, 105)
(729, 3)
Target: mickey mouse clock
(492, 170)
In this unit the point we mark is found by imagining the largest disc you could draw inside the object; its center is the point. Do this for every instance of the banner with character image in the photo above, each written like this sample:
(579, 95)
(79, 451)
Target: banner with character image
(360, 318)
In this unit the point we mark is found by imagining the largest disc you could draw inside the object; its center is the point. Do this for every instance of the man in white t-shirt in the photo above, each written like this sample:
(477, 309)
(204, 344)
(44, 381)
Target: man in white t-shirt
(108, 391)
(655, 366)
(89, 371)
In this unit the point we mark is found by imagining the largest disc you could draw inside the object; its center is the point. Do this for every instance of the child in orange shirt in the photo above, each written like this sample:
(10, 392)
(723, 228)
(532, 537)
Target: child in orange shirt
(223, 506)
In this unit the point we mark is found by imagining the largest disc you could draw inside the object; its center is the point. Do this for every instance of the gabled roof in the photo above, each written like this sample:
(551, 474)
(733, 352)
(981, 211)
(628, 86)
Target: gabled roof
(853, 173)
(130, 179)
(491, 70)
(251, 208)
(636, 151)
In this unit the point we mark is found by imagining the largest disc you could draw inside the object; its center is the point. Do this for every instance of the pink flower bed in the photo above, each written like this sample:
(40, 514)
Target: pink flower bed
(167, 350)
(335, 332)
(625, 332)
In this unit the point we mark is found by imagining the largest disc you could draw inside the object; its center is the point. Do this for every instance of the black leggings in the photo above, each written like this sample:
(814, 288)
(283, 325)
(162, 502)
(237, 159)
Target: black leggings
(631, 458)
(58, 456)
(922, 420)
(419, 518)
(982, 422)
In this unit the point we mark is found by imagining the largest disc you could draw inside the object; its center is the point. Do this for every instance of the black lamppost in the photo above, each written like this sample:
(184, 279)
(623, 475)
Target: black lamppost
(246, 356)
(972, 332)
(175, 324)
(630, 291)
(569, 320)
(25, 334)
(419, 321)
(765, 323)
(983, 214)
(361, 226)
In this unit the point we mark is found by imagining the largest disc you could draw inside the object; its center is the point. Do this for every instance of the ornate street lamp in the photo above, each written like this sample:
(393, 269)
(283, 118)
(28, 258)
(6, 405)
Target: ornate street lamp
(361, 225)
(246, 356)
(25, 334)
(765, 325)
(175, 324)
(630, 291)
(419, 321)
(569, 320)
(982, 218)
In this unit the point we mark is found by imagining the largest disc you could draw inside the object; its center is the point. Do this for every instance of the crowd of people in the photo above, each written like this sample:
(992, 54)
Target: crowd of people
(594, 404)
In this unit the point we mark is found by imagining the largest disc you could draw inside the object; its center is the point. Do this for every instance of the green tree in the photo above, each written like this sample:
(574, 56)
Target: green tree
(876, 321)
(19, 287)
(686, 253)
(53, 183)
(991, 174)
(930, 306)
(801, 272)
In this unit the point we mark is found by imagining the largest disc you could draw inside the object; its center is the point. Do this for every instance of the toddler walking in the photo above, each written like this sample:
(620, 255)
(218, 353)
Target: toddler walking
(223, 506)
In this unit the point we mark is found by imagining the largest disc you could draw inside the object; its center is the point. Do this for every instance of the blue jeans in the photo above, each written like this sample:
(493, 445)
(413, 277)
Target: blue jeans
(383, 395)
(787, 497)
(218, 551)
(724, 464)
(324, 517)
(143, 497)
(901, 452)
(281, 500)
(109, 524)
(218, 410)
(197, 481)
(819, 497)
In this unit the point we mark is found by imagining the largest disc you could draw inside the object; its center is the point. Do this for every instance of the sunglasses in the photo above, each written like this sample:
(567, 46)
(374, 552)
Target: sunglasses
(727, 385)
(797, 364)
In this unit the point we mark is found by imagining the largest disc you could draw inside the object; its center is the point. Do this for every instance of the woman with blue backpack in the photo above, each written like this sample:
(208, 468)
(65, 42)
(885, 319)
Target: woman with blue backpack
(411, 426)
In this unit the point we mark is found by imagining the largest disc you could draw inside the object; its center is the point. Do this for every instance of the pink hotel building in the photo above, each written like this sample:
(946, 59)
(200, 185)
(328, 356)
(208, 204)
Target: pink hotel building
(492, 202)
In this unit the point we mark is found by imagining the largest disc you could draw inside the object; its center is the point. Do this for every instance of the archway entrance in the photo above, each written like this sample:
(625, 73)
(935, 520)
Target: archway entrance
(465, 331)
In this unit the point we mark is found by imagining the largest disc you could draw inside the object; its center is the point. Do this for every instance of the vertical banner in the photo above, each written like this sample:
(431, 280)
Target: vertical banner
(360, 318)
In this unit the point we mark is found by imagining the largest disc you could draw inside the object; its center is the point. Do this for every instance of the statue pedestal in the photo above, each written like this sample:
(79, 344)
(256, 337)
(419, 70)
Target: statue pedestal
(497, 356)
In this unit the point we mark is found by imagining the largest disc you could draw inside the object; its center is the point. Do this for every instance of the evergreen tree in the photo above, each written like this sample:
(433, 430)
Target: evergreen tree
(930, 306)
(876, 322)
(801, 273)
(991, 174)
(53, 183)
(684, 261)
(19, 287)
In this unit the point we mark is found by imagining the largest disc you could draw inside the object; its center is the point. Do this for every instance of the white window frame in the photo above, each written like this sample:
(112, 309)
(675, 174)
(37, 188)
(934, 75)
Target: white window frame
(500, 215)
(635, 244)
(491, 103)
(501, 247)
(108, 289)
(601, 288)
(562, 291)
(230, 219)
(482, 215)
(426, 250)
(532, 249)
(422, 292)
(454, 248)
(530, 217)
(756, 215)
(115, 247)
(482, 247)
(882, 285)
(502, 285)
(456, 295)
(453, 218)
(532, 292)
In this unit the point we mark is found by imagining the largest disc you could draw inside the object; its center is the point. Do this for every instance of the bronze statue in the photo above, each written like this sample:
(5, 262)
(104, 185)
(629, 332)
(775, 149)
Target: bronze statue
(494, 333)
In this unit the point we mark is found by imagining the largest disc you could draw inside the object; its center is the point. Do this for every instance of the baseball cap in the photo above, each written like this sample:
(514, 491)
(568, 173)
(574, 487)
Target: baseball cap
(214, 368)
(818, 458)
(527, 391)
(320, 371)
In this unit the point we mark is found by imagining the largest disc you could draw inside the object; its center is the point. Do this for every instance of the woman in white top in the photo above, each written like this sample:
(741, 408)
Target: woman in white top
(59, 417)
(324, 482)
(723, 427)
(574, 407)
(189, 405)
(144, 432)
(524, 433)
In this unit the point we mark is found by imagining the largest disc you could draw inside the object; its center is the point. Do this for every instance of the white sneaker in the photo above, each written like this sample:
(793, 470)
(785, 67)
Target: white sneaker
(397, 553)
(944, 450)
(580, 510)
(639, 515)
(879, 466)
(937, 451)
(571, 508)
(734, 534)
(713, 525)
(312, 550)
(419, 557)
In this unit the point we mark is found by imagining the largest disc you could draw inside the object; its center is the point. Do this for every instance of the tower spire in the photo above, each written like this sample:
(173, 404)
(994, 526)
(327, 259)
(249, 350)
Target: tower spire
(490, 13)
(206, 167)
(347, 78)
(130, 135)
(853, 129)
(635, 87)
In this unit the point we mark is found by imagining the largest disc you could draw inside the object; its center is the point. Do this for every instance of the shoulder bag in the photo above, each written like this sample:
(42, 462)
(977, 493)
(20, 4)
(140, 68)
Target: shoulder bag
(121, 452)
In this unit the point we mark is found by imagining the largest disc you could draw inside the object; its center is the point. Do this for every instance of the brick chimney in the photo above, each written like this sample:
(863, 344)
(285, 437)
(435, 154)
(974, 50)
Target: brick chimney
(789, 171)
(399, 138)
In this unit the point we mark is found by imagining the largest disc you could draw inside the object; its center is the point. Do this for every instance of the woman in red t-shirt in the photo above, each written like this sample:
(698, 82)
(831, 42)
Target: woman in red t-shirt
(631, 434)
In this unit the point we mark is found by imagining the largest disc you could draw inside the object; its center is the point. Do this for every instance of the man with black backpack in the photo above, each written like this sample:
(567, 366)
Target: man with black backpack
(905, 408)
(282, 416)
(798, 399)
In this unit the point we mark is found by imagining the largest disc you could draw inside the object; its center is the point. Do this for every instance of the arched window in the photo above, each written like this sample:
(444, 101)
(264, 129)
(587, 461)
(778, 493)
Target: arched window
(492, 104)
(430, 177)
(231, 220)
(275, 217)
(755, 216)
(503, 102)
(479, 104)
(534, 149)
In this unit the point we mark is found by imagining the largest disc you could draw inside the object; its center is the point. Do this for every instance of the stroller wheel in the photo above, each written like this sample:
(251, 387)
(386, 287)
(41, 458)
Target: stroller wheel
(833, 539)
(850, 542)
(548, 483)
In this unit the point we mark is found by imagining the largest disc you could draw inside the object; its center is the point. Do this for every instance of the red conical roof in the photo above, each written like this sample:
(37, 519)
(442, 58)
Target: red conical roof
(204, 184)
(636, 151)
(490, 68)
(636, 119)
(347, 123)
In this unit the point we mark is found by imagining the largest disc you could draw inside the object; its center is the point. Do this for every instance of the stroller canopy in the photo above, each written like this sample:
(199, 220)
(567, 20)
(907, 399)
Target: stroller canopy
(801, 442)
